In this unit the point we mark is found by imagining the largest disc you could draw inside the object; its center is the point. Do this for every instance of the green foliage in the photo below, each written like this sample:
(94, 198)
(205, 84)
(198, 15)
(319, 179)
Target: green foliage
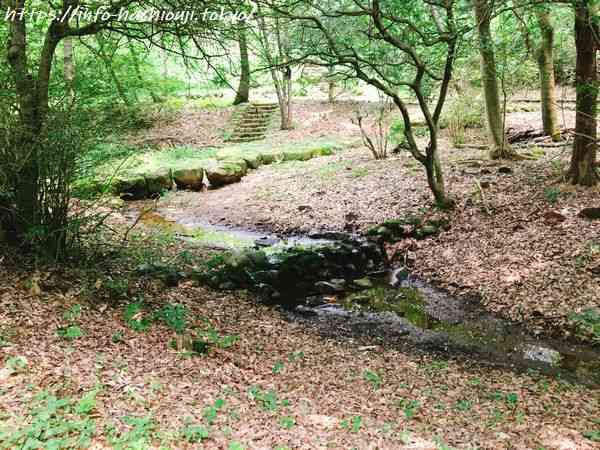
(287, 422)
(210, 413)
(194, 433)
(409, 407)
(139, 435)
(463, 112)
(354, 424)
(136, 317)
(373, 378)
(588, 323)
(268, 400)
(70, 333)
(54, 423)
(175, 317)
(552, 194)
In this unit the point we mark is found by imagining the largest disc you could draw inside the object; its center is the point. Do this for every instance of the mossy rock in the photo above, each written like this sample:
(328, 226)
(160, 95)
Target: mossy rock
(324, 151)
(252, 158)
(159, 181)
(271, 156)
(226, 172)
(189, 178)
(132, 187)
(301, 154)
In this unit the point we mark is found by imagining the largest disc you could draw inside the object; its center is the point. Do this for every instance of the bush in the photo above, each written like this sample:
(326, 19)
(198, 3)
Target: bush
(37, 179)
(463, 112)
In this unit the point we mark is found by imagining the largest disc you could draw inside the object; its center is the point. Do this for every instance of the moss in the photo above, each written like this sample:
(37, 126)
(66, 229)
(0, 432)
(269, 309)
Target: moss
(405, 302)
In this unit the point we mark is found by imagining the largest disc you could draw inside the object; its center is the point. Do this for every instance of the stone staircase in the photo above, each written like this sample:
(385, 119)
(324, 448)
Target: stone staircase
(251, 123)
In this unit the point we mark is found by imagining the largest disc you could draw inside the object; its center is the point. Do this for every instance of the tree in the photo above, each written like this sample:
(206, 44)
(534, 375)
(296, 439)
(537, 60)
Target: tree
(398, 48)
(273, 37)
(243, 91)
(483, 15)
(545, 59)
(583, 160)
(30, 71)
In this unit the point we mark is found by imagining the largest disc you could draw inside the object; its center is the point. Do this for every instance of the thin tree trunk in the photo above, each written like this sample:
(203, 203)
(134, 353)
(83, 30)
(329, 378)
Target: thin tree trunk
(583, 159)
(69, 67)
(500, 148)
(330, 85)
(545, 59)
(138, 74)
(111, 71)
(243, 92)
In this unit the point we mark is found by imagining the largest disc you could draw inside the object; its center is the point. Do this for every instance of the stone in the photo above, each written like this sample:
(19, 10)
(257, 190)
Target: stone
(227, 286)
(158, 182)
(363, 283)
(426, 231)
(226, 172)
(189, 178)
(399, 275)
(267, 241)
(131, 188)
(298, 154)
(590, 213)
(302, 208)
(330, 287)
(505, 170)
(545, 355)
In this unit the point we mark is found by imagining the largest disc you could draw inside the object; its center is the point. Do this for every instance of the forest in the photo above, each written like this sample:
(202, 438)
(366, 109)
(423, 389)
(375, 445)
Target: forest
(298, 224)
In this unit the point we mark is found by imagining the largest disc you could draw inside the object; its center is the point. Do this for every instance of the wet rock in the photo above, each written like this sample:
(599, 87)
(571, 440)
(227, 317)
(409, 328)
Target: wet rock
(590, 213)
(541, 354)
(398, 276)
(267, 241)
(228, 286)
(426, 231)
(131, 188)
(331, 287)
(363, 283)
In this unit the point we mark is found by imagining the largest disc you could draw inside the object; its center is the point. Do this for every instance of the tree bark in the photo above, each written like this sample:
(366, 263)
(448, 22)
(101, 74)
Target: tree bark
(243, 92)
(582, 170)
(69, 67)
(545, 59)
(499, 146)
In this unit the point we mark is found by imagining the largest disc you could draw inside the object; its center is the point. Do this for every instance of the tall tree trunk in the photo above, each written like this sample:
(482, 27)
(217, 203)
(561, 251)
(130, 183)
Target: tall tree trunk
(69, 67)
(330, 84)
(483, 13)
(284, 95)
(583, 159)
(243, 92)
(545, 59)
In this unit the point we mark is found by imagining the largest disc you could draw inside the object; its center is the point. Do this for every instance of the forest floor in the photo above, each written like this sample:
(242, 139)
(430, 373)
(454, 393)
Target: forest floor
(82, 360)
(516, 241)
(86, 351)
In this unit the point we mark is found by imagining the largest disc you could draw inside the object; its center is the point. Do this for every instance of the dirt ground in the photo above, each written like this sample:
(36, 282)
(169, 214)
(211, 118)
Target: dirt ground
(279, 385)
(516, 243)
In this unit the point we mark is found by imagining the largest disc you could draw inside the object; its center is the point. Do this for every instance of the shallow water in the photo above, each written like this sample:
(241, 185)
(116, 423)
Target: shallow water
(416, 312)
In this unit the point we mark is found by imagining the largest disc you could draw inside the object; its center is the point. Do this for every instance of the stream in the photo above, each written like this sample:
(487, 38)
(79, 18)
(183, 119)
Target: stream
(380, 305)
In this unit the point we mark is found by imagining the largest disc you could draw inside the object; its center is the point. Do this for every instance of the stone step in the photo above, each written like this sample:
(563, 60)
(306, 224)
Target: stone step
(243, 140)
(254, 126)
(247, 135)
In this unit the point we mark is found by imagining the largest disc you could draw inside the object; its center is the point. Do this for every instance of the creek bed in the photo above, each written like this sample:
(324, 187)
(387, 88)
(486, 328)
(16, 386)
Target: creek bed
(388, 307)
